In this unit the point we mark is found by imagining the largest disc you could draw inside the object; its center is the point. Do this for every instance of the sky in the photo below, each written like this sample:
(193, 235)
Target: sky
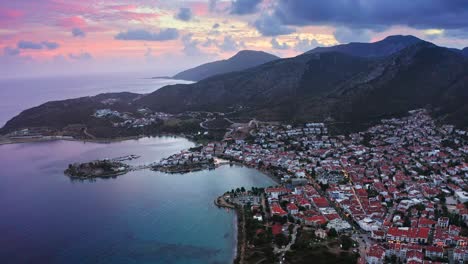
(56, 37)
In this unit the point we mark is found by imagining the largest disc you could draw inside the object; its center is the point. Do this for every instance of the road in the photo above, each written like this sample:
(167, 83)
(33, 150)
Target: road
(364, 242)
(283, 250)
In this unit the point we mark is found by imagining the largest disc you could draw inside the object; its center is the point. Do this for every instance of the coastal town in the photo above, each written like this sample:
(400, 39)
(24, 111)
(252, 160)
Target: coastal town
(394, 193)
(398, 190)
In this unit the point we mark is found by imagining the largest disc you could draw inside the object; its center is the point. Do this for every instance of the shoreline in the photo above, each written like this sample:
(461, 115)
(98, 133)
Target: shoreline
(237, 232)
(267, 173)
(237, 245)
(6, 140)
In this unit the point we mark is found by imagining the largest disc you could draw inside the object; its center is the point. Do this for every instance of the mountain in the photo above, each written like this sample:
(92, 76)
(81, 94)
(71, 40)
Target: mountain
(333, 86)
(465, 52)
(241, 61)
(382, 48)
(347, 91)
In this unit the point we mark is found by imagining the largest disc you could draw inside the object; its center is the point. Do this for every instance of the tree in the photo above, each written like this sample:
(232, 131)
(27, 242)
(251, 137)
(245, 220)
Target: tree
(332, 232)
(281, 240)
(346, 242)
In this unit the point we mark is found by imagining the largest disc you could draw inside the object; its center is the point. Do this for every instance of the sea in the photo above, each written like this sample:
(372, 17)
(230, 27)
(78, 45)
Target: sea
(18, 94)
(140, 217)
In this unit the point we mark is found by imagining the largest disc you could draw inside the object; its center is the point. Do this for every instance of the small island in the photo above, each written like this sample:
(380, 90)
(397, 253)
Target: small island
(97, 169)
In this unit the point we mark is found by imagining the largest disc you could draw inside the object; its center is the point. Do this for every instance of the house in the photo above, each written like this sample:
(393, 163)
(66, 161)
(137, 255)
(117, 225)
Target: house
(339, 225)
(460, 254)
(375, 254)
(275, 192)
(454, 230)
(424, 222)
(443, 222)
(415, 256)
(462, 196)
(320, 202)
(276, 229)
(292, 208)
(315, 220)
(378, 235)
(277, 210)
(408, 235)
(434, 252)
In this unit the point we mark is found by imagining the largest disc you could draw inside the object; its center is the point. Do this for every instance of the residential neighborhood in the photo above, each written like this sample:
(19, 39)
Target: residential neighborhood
(399, 189)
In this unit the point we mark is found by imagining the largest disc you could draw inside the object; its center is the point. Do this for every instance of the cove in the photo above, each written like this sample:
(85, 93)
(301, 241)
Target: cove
(141, 217)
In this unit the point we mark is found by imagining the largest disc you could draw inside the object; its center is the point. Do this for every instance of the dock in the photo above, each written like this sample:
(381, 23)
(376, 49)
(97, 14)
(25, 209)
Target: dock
(222, 203)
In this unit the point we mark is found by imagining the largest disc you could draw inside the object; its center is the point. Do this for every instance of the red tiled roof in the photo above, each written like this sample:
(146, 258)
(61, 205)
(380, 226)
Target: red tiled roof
(422, 232)
(320, 201)
(276, 229)
(277, 210)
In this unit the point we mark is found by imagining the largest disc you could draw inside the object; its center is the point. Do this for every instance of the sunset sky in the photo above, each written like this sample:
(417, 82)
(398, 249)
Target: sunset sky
(41, 37)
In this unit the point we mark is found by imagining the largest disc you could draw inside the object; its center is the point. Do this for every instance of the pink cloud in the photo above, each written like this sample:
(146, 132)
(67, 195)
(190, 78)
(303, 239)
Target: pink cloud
(72, 22)
(200, 8)
(10, 14)
(123, 7)
(138, 16)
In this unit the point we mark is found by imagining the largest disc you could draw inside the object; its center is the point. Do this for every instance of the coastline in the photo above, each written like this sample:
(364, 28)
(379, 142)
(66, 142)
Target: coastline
(6, 141)
(238, 234)
(267, 173)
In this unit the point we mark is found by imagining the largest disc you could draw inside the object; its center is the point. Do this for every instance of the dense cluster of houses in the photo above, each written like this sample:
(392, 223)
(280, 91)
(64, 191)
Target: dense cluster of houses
(402, 181)
(185, 161)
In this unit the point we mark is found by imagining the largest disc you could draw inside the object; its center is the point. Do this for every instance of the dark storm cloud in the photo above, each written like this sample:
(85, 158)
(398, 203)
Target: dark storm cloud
(23, 44)
(276, 45)
(163, 35)
(184, 14)
(11, 51)
(50, 45)
(269, 25)
(375, 14)
(78, 32)
(244, 7)
(80, 56)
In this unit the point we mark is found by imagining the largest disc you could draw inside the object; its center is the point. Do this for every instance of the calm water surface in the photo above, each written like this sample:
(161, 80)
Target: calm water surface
(141, 217)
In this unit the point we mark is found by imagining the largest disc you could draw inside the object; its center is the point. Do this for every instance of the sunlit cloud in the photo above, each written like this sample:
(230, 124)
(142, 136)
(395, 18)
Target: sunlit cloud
(163, 35)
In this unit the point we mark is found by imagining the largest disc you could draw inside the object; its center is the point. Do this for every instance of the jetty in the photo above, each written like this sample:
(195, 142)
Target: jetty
(222, 203)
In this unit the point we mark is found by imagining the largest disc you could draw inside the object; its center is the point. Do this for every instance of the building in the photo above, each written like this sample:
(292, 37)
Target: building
(292, 208)
(462, 196)
(375, 254)
(339, 225)
(443, 222)
(434, 252)
(460, 255)
(408, 235)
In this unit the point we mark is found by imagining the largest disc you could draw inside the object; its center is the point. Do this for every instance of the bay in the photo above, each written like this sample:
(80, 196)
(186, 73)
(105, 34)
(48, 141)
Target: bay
(140, 217)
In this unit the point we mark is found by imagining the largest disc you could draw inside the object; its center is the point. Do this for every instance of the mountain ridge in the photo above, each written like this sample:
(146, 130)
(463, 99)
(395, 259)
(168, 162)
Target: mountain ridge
(382, 48)
(240, 61)
(332, 86)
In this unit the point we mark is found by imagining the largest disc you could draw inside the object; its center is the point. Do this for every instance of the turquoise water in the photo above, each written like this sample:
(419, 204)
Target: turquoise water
(140, 217)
